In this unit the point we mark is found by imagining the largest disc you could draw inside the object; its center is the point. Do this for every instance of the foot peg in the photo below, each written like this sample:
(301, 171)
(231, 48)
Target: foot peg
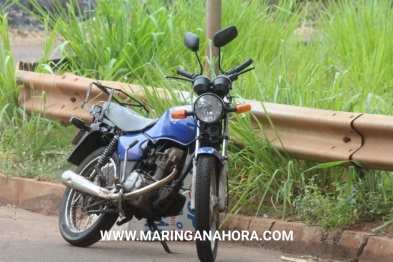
(125, 220)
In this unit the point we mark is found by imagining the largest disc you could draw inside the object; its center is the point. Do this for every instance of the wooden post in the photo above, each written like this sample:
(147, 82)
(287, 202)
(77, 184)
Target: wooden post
(213, 24)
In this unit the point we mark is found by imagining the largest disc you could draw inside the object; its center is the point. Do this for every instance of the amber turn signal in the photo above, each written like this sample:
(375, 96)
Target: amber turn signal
(242, 108)
(179, 114)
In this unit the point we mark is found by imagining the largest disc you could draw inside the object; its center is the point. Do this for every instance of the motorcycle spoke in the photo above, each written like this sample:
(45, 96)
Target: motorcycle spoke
(95, 204)
(88, 221)
(80, 220)
(74, 202)
(78, 224)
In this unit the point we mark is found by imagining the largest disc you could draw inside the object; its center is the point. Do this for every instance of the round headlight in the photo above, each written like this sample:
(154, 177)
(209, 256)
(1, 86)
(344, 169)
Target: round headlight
(208, 108)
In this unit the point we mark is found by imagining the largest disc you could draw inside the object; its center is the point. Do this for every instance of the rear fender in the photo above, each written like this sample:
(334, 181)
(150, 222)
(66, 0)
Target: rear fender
(89, 142)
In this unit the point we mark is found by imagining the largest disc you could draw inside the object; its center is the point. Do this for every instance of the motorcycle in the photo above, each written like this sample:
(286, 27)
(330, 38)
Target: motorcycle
(132, 166)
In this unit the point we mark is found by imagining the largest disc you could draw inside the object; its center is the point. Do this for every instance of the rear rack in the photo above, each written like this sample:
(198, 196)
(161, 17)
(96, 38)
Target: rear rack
(114, 96)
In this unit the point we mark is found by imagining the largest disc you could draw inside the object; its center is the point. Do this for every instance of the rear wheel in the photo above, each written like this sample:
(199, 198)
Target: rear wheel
(206, 206)
(77, 226)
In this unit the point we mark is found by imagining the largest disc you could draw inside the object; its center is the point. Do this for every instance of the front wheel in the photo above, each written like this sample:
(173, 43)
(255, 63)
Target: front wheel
(77, 226)
(206, 207)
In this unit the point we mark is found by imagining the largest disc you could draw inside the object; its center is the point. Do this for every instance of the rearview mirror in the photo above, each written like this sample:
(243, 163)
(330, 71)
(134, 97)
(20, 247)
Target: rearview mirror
(191, 41)
(224, 36)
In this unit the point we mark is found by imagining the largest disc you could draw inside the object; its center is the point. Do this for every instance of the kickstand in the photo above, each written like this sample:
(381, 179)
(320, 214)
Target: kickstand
(154, 228)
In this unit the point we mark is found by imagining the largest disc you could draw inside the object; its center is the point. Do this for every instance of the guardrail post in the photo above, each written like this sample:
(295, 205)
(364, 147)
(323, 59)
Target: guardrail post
(213, 24)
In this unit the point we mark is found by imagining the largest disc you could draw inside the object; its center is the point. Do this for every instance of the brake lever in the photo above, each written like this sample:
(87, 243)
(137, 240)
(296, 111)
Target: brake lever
(245, 71)
(234, 76)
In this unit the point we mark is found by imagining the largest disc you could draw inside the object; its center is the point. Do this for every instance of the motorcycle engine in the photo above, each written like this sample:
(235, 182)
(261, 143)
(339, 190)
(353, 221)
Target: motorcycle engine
(139, 178)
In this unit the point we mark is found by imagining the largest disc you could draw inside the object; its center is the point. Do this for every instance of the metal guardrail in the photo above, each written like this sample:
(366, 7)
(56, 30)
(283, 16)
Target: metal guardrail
(304, 133)
(325, 135)
(59, 97)
(377, 141)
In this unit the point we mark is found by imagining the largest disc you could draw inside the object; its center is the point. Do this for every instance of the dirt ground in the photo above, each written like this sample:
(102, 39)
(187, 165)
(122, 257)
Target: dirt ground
(21, 36)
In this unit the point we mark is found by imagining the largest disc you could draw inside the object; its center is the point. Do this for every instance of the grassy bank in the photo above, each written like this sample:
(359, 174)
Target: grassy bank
(30, 146)
(344, 65)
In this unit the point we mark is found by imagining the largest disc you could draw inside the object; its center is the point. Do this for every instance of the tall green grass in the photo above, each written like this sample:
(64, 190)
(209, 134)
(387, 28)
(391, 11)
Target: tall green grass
(123, 40)
(30, 146)
(345, 67)
(359, 37)
(8, 90)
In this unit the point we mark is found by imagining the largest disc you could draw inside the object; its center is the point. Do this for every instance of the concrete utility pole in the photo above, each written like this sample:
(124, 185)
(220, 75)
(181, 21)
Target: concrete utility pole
(213, 24)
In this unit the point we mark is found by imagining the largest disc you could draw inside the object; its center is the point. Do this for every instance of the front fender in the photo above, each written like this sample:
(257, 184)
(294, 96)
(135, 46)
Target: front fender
(211, 151)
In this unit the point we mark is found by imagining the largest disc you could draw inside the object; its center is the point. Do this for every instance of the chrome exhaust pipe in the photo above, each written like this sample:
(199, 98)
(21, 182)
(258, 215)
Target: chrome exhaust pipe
(80, 183)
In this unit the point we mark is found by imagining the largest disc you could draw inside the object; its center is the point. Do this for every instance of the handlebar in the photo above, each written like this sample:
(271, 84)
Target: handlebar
(186, 74)
(232, 73)
(239, 68)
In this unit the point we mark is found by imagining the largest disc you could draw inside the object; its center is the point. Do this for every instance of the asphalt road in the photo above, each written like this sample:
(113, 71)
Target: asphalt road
(27, 236)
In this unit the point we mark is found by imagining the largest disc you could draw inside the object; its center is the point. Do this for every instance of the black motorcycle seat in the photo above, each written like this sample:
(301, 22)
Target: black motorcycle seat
(127, 119)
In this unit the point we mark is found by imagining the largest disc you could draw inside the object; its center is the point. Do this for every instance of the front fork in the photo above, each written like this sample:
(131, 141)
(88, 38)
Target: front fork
(223, 177)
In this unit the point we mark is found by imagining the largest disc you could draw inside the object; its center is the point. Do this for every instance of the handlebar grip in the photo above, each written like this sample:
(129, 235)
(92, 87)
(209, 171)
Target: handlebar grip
(185, 73)
(239, 68)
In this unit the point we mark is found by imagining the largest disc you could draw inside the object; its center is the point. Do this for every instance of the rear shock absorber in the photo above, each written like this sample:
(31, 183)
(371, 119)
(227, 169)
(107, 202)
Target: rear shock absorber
(104, 158)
